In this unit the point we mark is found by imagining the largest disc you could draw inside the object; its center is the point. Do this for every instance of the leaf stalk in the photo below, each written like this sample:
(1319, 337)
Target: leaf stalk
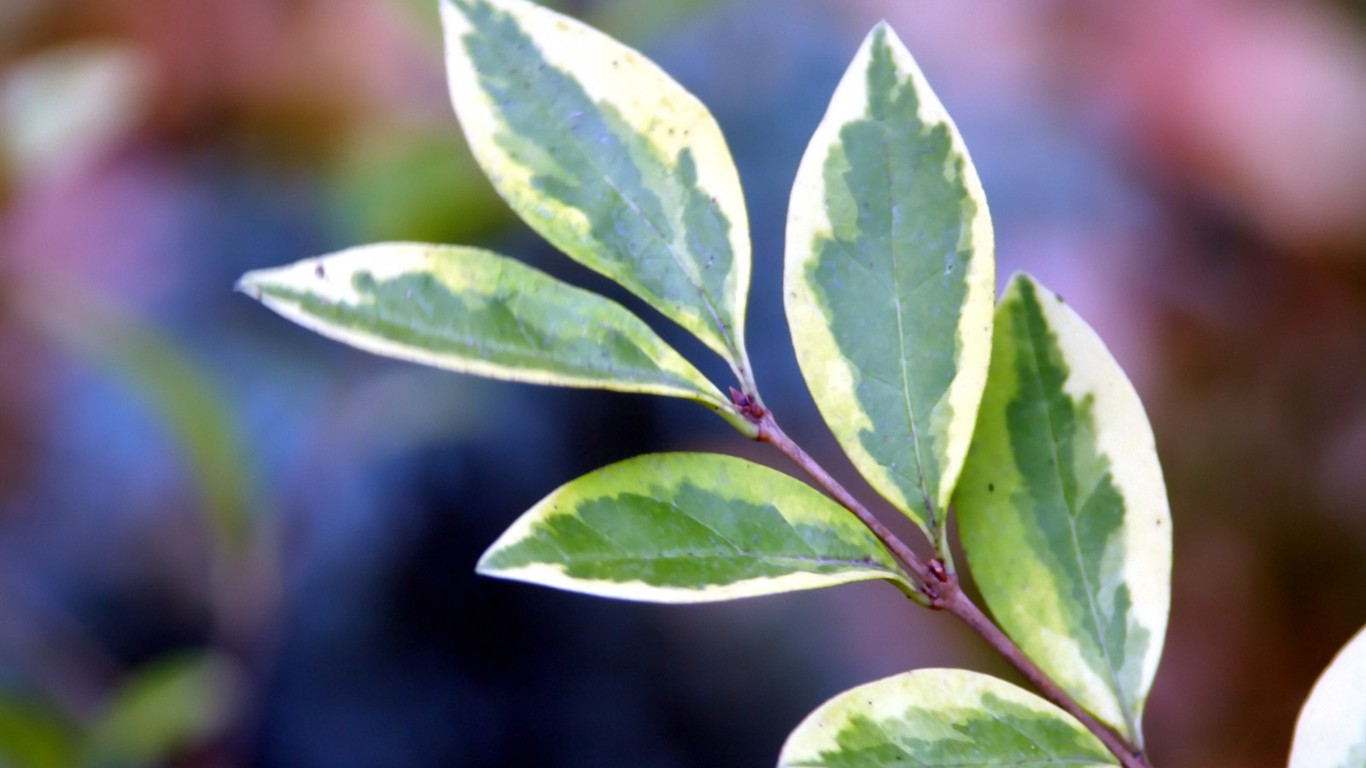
(935, 583)
(959, 605)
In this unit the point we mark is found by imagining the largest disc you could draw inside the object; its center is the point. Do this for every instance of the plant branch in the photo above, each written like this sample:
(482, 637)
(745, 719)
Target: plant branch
(916, 569)
(937, 587)
(958, 604)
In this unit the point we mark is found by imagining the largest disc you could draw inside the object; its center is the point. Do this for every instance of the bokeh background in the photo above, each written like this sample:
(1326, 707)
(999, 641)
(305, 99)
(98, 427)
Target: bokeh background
(227, 542)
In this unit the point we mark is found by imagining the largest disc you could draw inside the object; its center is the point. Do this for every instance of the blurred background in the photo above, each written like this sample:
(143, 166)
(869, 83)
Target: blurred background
(225, 541)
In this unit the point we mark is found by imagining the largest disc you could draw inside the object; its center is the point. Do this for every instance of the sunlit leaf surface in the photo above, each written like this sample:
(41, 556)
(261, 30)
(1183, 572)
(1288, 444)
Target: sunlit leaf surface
(1331, 731)
(606, 157)
(941, 718)
(1063, 511)
(686, 528)
(890, 280)
(476, 312)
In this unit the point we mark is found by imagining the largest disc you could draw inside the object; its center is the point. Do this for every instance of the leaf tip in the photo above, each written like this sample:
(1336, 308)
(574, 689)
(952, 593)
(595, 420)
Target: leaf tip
(883, 35)
(1024, 285)
(249, 284)
(485, 566)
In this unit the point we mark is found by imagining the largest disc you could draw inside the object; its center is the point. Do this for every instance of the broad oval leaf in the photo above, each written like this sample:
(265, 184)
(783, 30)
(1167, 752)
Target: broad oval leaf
(889, 280)
(473, 311)
(607, 158)
(1331, 731)
(1062, 508)
(941, 718)
(687, 528)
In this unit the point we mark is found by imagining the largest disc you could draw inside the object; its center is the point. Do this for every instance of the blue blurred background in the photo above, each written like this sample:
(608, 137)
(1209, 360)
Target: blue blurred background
(225, 541)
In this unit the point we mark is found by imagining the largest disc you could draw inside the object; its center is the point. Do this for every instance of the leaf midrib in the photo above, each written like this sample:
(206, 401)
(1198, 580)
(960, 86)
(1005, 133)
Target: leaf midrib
(688, 272)
(612, 373)
(685, 556)
(1099, 632)
(892, 239)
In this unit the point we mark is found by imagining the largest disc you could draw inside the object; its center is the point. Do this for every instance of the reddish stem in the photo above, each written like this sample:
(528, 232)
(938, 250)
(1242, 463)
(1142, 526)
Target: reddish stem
(958, 604)
(939, 588)
(915, 568)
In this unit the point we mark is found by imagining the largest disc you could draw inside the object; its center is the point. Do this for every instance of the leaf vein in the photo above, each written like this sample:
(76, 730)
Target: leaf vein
(1097, 628)
(566, 128)
(911, 416)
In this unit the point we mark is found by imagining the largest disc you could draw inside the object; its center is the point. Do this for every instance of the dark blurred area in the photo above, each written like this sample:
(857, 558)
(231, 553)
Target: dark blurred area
(225, 541)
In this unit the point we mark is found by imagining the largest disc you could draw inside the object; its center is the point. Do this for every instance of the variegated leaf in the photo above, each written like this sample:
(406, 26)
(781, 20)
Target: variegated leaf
(606, 157)
(687, 528)
(1331, 731)
(941, 718)
(472, 311)
(1063, 511)
(890, 278)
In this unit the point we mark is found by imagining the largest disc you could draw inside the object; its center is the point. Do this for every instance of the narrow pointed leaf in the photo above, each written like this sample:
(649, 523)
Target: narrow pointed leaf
(941, 718)
(1062, 508)
(606, 157)
(476, 312)
(1331, 731)
(890, 278)
(687, 528)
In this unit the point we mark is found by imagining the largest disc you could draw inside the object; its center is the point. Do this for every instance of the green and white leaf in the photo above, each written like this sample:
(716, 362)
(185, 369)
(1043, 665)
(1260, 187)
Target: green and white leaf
(687, 528)
(606, 157)
(472, 311)
(941, 718)
(1331, 731)
(890, 280)
(1062, 508)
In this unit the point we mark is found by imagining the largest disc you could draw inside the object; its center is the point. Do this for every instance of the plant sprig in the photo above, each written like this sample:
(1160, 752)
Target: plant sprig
(1011, 413)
